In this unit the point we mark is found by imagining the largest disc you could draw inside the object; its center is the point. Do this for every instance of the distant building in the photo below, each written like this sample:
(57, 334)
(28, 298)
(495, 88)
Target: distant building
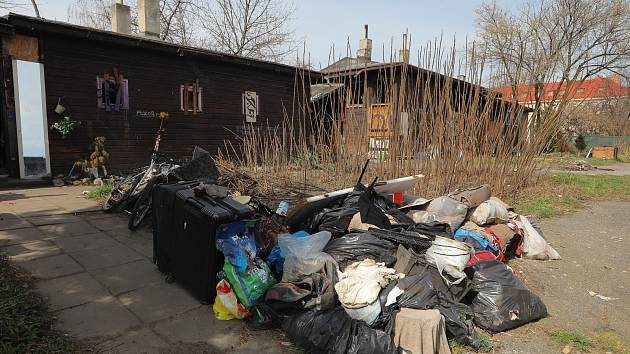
(380, 100)
(596, 106)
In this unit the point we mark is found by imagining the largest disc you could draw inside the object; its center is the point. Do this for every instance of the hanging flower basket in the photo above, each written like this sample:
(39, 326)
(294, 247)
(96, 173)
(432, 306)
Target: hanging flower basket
(65, 126)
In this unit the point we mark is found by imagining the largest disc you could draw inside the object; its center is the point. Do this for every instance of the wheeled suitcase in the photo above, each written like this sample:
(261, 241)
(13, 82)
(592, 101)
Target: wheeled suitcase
(163, 230)
(194, 257)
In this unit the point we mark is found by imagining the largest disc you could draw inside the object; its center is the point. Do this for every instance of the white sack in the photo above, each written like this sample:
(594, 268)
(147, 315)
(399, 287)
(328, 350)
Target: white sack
(450, 257)
(490, 212)
(534, 245)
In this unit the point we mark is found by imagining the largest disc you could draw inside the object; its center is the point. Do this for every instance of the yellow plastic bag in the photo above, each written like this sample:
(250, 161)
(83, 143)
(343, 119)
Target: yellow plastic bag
(226, 306)
(220, 312)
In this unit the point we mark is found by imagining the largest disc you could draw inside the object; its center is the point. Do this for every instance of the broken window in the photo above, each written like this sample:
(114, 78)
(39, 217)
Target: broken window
(190, 94)
(112, 91)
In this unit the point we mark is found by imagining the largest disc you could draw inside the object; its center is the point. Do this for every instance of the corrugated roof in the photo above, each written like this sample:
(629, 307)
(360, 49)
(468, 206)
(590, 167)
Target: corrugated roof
(319, 91)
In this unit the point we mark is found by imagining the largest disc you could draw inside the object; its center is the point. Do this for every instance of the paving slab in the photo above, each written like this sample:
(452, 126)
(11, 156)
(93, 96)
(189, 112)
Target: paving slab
(17, 236)
(52, 267)
(72, 290)
(69, 229)
(127, 236)
(14, 223)
(53, 219)
(159, 301)
(143, 247)
(106, 256)
(103, 317)
(110, 224)
(134, 341)
(127, 277)
(85, 242)
(31, 250)
(200, 326)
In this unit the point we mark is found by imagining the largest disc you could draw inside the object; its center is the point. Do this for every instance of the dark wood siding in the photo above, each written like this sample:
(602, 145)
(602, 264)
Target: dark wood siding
(71, 67)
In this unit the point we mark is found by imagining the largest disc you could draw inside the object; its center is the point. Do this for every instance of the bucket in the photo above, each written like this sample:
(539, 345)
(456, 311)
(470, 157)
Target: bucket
(59, 109)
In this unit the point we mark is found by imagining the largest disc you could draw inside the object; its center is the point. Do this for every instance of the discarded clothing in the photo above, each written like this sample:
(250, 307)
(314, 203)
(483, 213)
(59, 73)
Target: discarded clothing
(361, 282)
(420, 332)
(356, 247)
(509, 236)
(502, 302)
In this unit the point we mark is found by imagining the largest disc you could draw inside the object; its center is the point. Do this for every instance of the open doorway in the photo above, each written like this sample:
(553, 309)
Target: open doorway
(31, 121)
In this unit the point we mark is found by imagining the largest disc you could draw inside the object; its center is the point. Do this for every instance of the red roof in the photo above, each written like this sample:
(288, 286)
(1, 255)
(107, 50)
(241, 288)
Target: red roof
(599, 87)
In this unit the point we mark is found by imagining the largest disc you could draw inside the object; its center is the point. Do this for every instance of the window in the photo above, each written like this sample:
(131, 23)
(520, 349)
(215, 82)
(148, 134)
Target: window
(549, 93)
(602, 90)
(579, 91)
(523, 96)
(190, 95)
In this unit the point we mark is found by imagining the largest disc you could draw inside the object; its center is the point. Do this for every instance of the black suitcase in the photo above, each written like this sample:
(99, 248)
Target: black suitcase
(194, 257)
(162, 214)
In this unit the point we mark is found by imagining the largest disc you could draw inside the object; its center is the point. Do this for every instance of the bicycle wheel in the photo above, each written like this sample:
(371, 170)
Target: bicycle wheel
(143, 204)
(117, 198)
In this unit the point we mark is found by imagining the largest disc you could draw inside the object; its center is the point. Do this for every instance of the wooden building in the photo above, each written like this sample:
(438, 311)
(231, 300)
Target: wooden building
(117, 85)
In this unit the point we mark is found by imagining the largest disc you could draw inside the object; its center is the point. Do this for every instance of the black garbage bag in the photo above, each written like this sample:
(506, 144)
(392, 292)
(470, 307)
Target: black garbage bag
(433, 228)
(501, 301)
(459, 323)
(419, 293)
(355, 247)
(335, 332)
(201, 166)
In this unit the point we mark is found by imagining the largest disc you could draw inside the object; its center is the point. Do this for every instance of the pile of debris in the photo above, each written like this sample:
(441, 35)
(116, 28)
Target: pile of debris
(361, 270)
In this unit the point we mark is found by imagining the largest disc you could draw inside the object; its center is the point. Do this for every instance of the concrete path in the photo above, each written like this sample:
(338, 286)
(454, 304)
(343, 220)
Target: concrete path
(101, 283)
(616, 169)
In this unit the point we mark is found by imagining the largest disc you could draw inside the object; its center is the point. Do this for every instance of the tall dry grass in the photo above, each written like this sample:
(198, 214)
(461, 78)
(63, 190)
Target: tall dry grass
(458, 133)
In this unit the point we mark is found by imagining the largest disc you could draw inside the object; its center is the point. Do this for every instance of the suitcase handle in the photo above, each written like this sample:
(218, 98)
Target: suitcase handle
(214, 202)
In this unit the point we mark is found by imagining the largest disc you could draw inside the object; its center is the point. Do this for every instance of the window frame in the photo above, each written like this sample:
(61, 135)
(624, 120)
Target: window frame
(190, 105)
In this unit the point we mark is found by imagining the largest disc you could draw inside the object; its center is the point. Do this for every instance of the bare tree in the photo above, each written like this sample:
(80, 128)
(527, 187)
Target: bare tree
(556, 40)
(177, 18)
(251, 28)
(10, 5)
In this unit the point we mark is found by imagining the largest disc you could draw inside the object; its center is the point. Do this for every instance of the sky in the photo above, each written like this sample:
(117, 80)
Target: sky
(324, 23)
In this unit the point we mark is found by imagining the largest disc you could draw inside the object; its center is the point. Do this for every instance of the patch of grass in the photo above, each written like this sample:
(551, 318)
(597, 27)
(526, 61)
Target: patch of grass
(611, 342)
(560, 193)
(575, 339)
(485, 346)
(25, 324)
(100, 192)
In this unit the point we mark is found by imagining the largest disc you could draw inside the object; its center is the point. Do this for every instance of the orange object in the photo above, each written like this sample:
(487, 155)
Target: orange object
(604, 152)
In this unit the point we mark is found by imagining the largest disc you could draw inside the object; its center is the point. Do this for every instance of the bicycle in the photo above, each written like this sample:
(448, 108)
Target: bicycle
(126, 191)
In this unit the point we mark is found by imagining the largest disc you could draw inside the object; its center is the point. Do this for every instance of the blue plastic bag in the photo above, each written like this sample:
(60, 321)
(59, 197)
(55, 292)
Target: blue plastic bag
(236, 241)
(470, 237)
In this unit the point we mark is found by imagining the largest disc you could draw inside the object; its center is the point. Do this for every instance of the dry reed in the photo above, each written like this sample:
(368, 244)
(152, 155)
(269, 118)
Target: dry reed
(458, 133)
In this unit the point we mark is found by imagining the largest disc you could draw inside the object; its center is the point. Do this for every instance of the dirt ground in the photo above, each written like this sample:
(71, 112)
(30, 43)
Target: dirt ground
(593, 246)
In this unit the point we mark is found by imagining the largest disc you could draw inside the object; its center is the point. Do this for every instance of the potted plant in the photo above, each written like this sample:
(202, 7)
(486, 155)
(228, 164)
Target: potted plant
(65, 126)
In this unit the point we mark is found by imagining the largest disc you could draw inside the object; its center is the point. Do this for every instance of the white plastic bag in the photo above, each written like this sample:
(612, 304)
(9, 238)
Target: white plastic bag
(303, 255)
(534, 245)
(450, 256)
(367, 314)
(443, 209)
(490, 212)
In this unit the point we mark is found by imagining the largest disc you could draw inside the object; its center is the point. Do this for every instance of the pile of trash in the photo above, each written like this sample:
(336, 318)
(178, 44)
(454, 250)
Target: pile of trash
(368, 270)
